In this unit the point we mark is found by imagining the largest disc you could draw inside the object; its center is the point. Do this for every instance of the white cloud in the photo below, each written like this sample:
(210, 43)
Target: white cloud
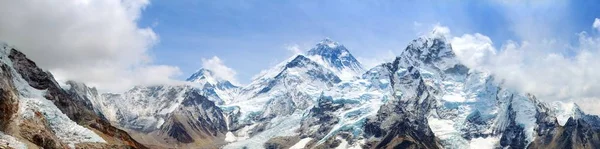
(371, 62)
(552, 76)
(596, 24)
(294, 48)
(94, 41)
(440, 30)
(473, 50)
(539, 67)
(216, 65)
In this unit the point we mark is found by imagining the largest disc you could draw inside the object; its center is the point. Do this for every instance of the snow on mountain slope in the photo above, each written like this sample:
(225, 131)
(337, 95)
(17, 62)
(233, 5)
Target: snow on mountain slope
(7, 141)
(566, 110)
(162, 115)
(217, 90)
(346, 107)
(461, 107)
(337, 58)
(33, 102)
(296, 86)
(145, 108)
(473, 105)
(471, 102)
(278, 99)
(90, 96)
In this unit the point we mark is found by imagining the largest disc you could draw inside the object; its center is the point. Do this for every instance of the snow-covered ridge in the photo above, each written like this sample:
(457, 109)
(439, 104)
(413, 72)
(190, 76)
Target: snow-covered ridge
(33, 100)
(144, 108)
(215, 88)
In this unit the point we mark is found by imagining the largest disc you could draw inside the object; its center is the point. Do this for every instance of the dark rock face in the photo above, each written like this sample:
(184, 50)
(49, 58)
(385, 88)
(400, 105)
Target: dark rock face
(178, 132)
(9, 104)
(321, 116)
(477, 123)
(87, 95)
(281, 142)
(196, 119)
(513, 135)
(458, 69)
(37, 131)
(211, 116)
(39, 79)
(402, 123)
(577, 133)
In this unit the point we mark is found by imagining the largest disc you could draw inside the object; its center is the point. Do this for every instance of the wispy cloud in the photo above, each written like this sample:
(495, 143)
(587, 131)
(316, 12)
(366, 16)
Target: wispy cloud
(294, 49)
(596, 24)
(221, 71)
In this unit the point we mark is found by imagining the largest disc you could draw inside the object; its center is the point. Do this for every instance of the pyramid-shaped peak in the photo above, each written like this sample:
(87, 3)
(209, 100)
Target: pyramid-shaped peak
(336, 57)
(201, 73)
(328, 42)
(328, 47)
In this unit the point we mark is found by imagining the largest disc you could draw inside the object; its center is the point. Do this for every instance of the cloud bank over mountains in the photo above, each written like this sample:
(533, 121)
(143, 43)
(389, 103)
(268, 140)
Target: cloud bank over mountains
(95, 41)
(546, 68)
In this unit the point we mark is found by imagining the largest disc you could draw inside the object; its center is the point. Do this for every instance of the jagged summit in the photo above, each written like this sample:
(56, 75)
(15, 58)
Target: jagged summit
(200, 74)
(336, 57)
(429, 47)
(328, 42)
(215, 88)
(431, 52)
(328, 48)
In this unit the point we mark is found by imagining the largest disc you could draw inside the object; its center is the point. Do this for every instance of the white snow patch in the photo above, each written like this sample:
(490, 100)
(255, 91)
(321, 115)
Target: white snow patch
(454, 98)
(280, 126)
(483, 143)
(301, 144)
(11, 141)
(343, 144)
(442, 128)
(230, 137)
(564, 111)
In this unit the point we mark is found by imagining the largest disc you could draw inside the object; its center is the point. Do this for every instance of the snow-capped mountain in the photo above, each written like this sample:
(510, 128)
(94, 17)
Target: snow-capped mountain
(37, 113)
(272, 104)
(164, 115)
(216, 89)
(425, 98)
(337, 58)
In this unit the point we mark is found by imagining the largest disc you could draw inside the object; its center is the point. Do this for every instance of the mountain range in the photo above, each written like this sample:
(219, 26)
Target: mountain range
(324, 98)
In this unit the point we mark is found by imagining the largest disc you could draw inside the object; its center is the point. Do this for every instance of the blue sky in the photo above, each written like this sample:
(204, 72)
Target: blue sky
(547, 48)
(250, 36)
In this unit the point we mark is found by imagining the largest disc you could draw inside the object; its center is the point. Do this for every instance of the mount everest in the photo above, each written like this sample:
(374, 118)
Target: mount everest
(325, 98)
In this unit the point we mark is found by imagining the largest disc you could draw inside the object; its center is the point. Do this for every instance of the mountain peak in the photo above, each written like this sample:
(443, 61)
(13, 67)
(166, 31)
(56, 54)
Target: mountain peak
(328, 42)
(214, 87)
(336, 57)
(201, 73)
(204, 76)
(429, 50)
